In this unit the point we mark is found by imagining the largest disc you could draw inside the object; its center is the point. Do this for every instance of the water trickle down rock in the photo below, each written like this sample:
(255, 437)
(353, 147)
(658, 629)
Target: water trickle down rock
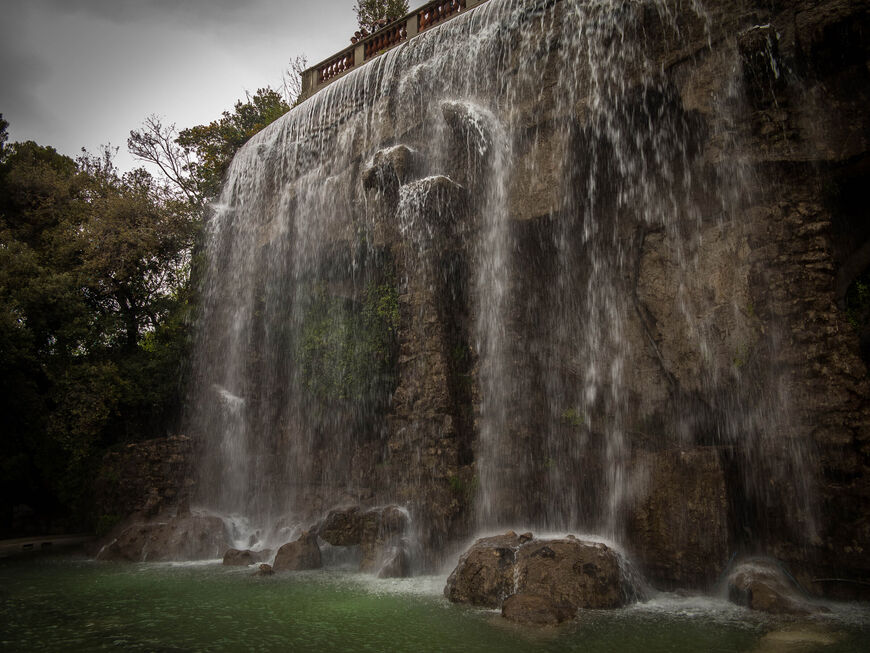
(538, 581)
(643, 261)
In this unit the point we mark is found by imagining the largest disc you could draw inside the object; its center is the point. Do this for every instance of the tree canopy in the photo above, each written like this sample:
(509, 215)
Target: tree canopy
(97, 293)
(371, 14)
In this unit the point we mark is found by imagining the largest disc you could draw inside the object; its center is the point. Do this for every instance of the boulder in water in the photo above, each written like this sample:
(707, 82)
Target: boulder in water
(484, 575)
(238, 558)
(377, 531)
(341, 527)
(762, 584)
(304, 553)
(183, 537)
(572, 573)
(554, 578)
(264, 570)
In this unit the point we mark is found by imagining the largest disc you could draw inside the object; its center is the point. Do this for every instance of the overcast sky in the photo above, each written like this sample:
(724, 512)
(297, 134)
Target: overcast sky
(83, 73)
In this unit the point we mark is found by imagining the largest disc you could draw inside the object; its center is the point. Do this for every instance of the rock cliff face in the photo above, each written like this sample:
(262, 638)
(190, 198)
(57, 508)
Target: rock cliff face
(145, 478)
(622, 307)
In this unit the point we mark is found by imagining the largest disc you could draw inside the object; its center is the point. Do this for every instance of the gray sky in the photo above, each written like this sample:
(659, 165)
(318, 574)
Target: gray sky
(83, 73)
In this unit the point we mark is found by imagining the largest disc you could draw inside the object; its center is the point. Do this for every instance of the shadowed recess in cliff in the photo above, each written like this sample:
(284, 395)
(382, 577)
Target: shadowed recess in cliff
(496, 276)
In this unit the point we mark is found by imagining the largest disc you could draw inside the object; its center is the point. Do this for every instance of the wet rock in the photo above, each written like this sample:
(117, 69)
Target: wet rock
(341, 527)
(471, 141)
(390, 168)
(265, 570)
(484, 575)
(377, 532)
(678, 524)
(762, 584)
(438, 198)
(147, 477)
(304, 553)
(572, 573)
(533, 609)
(239, 558)
(183, 537)
(397, 565)
(565, 574)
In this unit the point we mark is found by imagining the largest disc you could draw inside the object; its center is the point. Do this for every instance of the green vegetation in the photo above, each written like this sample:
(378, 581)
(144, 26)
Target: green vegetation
(571, 417)
(858, 302)
(97, 278)
(196, 159)
(348, 348)
(371, 13)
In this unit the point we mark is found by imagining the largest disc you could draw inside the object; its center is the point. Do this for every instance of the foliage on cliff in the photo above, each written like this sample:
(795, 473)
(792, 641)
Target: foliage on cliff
(348, 348)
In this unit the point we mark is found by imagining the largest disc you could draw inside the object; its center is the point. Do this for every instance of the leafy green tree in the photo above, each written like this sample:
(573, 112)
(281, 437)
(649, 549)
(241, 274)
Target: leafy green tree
(370, 13)
(94, 269)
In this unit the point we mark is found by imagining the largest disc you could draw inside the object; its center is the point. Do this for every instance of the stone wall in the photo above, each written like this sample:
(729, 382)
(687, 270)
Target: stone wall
(143, 478)
(756, 442)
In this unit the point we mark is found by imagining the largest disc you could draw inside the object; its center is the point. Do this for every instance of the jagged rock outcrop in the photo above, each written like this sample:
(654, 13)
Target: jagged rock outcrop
(538, 581)
(484, 575)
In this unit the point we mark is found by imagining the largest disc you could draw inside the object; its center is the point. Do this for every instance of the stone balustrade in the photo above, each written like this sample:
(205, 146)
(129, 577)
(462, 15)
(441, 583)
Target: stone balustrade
(366, 47)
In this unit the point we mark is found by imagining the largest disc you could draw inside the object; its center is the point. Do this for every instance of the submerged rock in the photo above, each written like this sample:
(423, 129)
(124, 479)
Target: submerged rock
(553, 578)
(304, 553)
(762, 584)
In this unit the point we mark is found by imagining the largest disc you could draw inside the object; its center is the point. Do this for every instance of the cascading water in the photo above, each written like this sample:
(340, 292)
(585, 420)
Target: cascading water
(429, 284)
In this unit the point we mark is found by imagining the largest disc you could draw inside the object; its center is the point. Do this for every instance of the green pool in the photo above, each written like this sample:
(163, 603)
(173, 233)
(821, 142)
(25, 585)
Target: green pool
(63, 604)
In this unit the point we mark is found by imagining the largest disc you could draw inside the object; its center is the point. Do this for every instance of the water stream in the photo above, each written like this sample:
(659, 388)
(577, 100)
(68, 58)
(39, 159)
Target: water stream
(542, 151)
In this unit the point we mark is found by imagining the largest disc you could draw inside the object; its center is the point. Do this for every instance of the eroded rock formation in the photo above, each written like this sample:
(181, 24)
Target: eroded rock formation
(539, 581)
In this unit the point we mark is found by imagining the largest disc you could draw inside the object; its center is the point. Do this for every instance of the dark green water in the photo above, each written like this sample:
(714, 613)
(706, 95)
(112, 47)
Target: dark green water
(78, 605)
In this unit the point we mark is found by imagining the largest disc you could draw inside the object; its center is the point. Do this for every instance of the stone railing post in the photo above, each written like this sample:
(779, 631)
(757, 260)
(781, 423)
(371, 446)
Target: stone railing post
(359, 54)
(411, 25)
(309, 82)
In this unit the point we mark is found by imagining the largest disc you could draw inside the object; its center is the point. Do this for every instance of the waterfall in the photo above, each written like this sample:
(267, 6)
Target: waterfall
(476, 277)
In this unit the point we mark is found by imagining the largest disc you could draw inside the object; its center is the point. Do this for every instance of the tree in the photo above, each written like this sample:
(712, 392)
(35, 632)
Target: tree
(4, 125)
(158, 144)
(196, 159)
(372, 14)
(94, 277)
(291, 80)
